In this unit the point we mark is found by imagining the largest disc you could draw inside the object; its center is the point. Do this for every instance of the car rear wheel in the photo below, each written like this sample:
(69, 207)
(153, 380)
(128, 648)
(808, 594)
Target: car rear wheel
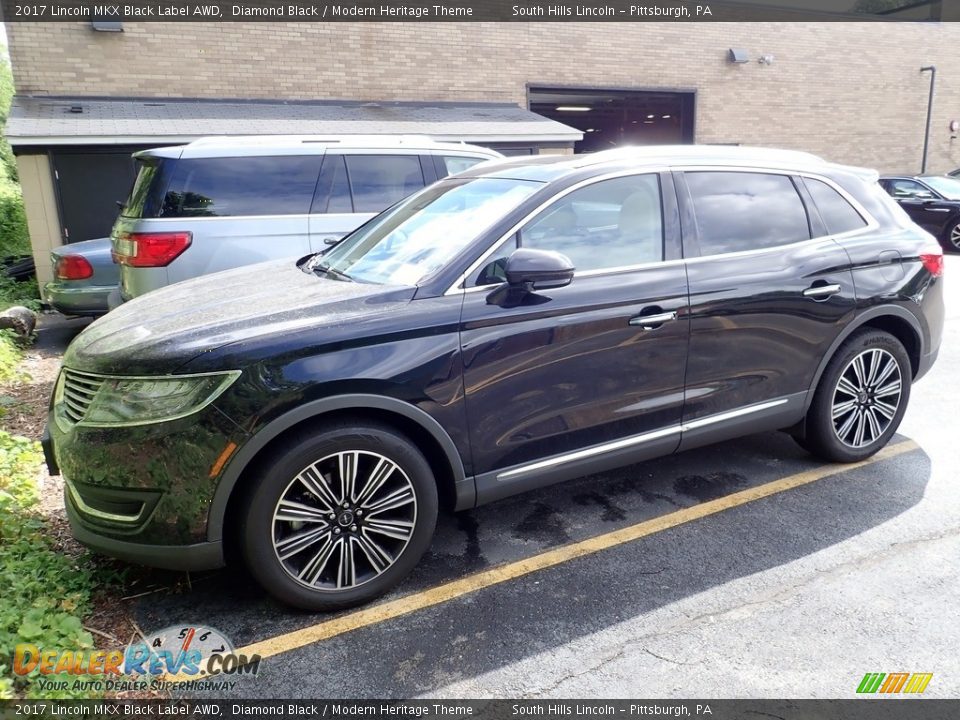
(861, 398)
(339, 516)
(951, 236)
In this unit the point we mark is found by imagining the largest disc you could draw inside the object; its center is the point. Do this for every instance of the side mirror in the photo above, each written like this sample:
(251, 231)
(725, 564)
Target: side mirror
(531, 269)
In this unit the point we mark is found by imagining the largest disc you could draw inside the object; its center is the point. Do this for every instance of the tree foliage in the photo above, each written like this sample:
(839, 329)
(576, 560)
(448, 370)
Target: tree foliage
(14, 239)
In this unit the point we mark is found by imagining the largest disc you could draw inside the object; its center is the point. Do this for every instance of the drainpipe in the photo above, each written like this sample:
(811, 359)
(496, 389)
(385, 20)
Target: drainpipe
(926, 137)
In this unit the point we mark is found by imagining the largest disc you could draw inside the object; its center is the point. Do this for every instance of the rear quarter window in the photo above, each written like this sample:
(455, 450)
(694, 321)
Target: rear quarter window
(837, 214)
(232, 187)
(454, 164)
(146, 195)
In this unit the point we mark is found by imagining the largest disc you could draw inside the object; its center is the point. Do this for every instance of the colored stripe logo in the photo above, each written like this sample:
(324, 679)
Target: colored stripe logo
(885, 683)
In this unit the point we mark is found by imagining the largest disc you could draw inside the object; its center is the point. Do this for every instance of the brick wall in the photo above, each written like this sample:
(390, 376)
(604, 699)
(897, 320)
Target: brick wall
(849, 91)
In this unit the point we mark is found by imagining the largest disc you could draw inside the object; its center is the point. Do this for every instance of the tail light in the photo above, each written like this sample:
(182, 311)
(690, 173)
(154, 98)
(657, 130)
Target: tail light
(73, 267)
(933, 262)
(154, 249)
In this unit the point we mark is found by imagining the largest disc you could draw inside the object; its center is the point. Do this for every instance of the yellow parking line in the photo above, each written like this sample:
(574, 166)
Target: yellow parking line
(472, 583)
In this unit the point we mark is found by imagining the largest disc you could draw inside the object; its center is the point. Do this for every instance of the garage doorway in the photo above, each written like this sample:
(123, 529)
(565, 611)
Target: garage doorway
(89, 185)
(611, 118)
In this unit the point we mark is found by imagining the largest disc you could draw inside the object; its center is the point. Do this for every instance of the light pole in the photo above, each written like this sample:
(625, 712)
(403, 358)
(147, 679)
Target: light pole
(926, 136)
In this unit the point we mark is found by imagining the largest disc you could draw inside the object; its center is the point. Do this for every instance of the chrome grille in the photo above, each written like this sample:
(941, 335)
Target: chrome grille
(79, 390)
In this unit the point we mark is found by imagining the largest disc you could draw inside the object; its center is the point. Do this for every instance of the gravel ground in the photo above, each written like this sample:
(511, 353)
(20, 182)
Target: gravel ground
(24, 404)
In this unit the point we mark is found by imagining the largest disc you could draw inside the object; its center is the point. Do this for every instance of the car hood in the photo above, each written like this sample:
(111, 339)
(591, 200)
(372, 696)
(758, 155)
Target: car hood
(160, 331)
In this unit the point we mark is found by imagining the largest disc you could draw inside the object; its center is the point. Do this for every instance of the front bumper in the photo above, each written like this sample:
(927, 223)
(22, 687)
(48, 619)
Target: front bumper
(143, 493)
(200, 556)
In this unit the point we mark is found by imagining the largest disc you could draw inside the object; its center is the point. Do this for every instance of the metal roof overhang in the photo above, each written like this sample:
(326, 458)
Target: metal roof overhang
(80, 121)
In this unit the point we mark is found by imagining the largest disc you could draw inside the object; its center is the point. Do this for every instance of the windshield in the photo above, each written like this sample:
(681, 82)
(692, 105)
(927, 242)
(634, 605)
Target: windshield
(948, 187)
(415, 238)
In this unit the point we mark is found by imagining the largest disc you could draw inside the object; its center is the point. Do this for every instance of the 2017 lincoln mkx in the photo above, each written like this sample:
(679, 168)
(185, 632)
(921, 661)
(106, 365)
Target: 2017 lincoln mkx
(517, 325)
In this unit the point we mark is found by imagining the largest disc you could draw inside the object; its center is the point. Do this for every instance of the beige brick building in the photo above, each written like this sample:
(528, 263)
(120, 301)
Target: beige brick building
(852, 92)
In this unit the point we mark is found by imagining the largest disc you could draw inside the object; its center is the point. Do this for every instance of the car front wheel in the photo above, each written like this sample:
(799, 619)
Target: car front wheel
(861, 398)
(339, 516)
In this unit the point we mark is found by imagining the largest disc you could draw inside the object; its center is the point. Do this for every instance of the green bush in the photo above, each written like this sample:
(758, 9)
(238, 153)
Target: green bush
(14, 238)
(45, 593)
(9, 357)
(49, 592)
(24, 293)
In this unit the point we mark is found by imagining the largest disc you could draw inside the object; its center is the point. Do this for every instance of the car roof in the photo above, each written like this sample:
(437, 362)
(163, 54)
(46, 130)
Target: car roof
(551, 167)
(252, 145)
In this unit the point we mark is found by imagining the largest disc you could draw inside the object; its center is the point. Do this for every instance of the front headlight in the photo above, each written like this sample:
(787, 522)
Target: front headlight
(122, 401)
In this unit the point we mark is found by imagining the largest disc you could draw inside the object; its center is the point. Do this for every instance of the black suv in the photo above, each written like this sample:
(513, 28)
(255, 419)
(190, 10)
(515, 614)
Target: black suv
(510, 327)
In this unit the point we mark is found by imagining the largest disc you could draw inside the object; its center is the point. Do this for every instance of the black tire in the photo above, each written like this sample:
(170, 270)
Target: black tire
(867, 408)
(324, 456)
(951, 237)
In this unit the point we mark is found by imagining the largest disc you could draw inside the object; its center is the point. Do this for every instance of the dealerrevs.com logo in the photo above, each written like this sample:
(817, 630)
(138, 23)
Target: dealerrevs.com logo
(888, 684)
(175, 655)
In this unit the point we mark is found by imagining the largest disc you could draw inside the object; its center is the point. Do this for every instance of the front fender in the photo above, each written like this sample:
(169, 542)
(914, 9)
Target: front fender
(463, 486)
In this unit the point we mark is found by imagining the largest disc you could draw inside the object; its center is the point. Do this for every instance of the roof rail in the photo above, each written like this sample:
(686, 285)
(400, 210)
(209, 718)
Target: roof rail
(734, 152)
(287, 140)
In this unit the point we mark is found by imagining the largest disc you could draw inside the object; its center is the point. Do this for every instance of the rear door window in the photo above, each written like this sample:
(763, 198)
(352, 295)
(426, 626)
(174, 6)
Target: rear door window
(233, 187)
(737, 211)
(378, 181)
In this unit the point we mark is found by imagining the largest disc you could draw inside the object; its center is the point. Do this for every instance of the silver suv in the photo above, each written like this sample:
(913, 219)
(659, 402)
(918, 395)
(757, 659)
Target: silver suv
(218, 203)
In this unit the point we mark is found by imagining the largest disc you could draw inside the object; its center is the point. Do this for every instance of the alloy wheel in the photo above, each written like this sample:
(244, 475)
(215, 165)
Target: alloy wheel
(866, 398)
(344, 520)
(955, 237)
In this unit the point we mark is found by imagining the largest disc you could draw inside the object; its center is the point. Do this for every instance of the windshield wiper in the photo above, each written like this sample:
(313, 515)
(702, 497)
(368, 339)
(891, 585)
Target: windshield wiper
(332, 272)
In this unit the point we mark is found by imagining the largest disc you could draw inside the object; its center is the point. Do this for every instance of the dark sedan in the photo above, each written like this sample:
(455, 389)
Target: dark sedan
(932, 202)
(84, 277)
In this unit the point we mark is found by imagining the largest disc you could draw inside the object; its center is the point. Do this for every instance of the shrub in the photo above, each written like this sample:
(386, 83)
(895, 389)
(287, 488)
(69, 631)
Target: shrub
(24, 293)
(14, 238)
(51, 590)
(9, 357)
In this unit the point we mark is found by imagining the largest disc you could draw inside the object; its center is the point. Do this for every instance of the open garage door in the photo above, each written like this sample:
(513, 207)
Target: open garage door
(610, 118)
(89, 184)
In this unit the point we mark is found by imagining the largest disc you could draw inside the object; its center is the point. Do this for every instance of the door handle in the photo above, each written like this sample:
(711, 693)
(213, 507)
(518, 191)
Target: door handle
(821, 291)
(652, 322)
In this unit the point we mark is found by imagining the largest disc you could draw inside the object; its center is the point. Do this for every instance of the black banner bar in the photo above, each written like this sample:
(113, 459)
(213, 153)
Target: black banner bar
(855, 709)
(476, 11)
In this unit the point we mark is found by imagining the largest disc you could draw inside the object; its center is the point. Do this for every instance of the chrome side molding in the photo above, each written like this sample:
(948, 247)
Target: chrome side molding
(627, 442)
